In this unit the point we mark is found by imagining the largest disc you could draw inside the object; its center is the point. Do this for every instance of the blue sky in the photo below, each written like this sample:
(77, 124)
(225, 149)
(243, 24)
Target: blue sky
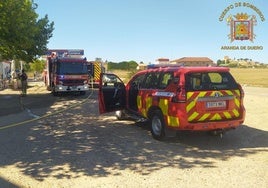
(145, 30)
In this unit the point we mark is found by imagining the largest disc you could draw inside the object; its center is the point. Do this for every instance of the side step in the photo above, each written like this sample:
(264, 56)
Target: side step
(125, 115)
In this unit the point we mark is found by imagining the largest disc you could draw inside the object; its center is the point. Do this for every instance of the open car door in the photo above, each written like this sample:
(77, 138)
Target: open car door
(112, 93)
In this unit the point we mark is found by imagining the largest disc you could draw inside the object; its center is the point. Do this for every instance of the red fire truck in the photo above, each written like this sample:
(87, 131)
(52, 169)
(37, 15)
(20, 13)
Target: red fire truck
(66, 71)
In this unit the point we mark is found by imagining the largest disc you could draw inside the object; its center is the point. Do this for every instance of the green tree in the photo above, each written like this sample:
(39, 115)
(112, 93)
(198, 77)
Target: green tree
(124, 65)
(22, 35)
(37, 66)
(219, 62)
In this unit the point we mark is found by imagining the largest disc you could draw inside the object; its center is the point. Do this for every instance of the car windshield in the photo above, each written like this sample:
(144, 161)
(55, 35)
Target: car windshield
(210, 81)
(71, 68)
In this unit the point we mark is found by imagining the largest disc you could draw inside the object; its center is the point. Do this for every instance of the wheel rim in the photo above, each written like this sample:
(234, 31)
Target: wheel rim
(156, 125)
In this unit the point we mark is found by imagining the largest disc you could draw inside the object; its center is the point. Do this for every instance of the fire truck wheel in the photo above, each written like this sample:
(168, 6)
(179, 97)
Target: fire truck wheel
(157, 125)
(54, 93)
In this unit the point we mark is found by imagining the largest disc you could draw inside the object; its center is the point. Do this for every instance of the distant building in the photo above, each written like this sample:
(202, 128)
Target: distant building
(141, 66)
(162, 61)
(5, 69)
(193, 61)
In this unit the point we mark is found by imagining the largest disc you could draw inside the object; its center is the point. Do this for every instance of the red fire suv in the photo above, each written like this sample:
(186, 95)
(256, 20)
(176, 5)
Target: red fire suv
(179, 98)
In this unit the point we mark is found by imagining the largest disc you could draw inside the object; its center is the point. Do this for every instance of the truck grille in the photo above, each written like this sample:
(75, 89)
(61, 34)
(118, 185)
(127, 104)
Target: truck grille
(72, 82)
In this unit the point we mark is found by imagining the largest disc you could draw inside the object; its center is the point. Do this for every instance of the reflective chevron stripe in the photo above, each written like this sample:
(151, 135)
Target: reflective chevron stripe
(97, 71)
(198, 112)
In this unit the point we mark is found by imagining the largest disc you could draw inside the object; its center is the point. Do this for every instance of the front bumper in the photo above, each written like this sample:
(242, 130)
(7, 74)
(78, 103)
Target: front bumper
(61, 88)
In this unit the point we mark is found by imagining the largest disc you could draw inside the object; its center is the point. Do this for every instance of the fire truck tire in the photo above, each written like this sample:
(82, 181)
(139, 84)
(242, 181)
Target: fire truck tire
(157, 125)
(54, 93)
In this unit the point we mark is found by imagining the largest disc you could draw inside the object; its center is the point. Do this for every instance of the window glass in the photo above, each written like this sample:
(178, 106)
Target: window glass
(215, 77)
(110, 80)
(151, 81)
(137, 82)
(210, 81)
(71, 68)
(165, 80)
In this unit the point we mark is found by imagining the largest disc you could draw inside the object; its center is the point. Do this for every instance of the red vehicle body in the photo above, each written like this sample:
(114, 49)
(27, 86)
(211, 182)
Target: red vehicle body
(178, 98)
(66, 73)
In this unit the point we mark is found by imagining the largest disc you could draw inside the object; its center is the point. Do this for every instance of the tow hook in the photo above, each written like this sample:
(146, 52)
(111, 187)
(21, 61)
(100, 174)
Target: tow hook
(218, 132)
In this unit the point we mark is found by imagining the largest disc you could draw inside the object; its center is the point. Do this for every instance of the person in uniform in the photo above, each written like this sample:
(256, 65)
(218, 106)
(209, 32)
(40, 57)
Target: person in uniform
(23, 77)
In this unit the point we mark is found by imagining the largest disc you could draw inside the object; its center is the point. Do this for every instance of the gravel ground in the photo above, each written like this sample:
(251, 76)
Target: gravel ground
(80, 148)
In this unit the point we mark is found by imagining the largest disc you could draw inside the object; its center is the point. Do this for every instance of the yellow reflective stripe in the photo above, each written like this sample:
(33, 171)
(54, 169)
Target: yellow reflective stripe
(139, 101)
(190, 106)
(173, 121)
(143, 112)
(237, 92)
(193, 103)
(216, 117)
(189, 94)
(149, 102)
(236, 113)
(163, 104)
(227, 115)
(213, 93)
(202, 94)
(97, 71)
(229, 92)
(193, 116)
(205, 116)
(237, 102)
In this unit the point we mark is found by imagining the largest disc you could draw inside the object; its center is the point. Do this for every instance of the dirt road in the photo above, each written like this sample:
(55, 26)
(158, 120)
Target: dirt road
(79, 148)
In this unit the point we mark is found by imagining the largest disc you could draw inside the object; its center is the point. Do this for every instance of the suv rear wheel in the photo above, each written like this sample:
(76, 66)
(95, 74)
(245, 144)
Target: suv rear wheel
(157, 125)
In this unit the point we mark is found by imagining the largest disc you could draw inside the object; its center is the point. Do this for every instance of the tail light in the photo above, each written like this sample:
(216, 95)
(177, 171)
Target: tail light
(180, 95)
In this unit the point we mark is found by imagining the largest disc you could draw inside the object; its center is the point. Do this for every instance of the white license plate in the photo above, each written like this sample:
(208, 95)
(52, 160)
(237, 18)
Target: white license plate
(216, 104)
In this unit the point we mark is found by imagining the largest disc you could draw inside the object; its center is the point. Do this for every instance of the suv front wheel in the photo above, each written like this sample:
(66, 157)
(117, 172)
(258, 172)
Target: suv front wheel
(157, 125)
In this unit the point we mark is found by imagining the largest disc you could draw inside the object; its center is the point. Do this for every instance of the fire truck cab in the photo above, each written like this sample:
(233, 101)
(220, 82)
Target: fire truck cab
(178, 98)
(66, 71)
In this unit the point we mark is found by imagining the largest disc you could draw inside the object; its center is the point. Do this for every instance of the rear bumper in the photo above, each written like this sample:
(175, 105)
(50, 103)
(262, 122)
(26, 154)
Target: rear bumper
(61, 88)
(210, 126)
(225, 124)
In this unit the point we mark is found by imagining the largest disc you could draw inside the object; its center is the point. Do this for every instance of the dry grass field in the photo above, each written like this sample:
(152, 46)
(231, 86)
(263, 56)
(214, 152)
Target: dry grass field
(124, 75)
(251, 77)
(244, 76)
